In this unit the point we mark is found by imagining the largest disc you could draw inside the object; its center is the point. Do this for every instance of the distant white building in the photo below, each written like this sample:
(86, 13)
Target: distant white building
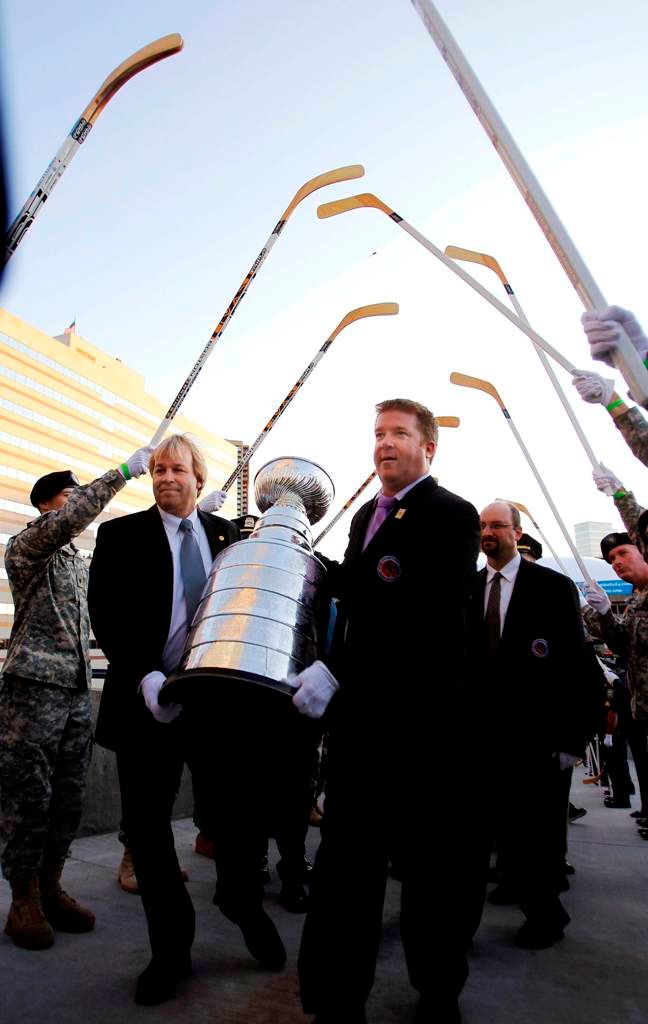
(588, 537)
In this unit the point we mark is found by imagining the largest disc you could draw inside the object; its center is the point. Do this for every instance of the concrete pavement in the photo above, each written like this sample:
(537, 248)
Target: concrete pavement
(597, 974)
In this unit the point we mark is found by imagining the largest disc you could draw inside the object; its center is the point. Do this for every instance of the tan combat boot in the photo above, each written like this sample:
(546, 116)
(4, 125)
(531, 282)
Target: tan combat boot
(63, 913)
(26, 924)
(126, 874)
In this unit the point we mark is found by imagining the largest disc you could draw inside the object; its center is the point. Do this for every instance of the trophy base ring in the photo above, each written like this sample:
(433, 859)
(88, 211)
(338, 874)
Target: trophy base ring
(191, 685)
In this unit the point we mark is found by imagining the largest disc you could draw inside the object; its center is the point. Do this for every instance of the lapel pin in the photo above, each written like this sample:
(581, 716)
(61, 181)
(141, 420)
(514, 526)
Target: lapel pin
(401, 512)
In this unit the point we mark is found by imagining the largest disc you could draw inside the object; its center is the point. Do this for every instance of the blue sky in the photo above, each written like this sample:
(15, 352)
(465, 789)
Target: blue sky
(161, 213)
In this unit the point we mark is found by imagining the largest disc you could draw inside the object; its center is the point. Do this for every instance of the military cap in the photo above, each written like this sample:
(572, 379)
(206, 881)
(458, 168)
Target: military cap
(529, 545)
(611, 541)
(245, 525)
(48, 486)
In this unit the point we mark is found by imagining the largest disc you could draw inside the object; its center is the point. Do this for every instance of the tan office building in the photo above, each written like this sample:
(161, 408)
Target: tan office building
(65, 404)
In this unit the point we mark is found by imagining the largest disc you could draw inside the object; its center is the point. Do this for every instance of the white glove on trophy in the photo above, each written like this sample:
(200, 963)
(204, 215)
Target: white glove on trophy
(597, 598)
(213, 501)
(608, 741)
(601, 328)
(150, 689)
(592, 387)
(314, 688)
(137, 464)
(606, 481)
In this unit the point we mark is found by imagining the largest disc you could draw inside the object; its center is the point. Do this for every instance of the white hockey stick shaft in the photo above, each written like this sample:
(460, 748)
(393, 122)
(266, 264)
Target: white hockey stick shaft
(626, 357)
(328, 178)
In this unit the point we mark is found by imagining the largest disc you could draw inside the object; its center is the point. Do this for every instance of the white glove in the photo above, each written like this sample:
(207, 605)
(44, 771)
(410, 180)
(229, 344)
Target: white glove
(567, 761)
(150, 688)
(597, 598)
(213, 501)
(137, 464)
(606, 481)
(592, 387)
(601, 328)
(314, 688)
(608, 741)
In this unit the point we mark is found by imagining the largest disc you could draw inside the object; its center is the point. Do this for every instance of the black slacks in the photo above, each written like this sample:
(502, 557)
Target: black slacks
(375, 811)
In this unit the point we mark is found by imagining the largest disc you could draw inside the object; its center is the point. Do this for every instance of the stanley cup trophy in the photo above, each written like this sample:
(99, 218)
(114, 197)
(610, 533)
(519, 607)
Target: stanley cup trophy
(263, 609)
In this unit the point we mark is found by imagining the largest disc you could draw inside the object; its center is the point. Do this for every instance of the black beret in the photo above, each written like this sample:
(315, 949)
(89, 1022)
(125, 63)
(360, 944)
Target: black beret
(48, 486)
(530, 545)
(611, 541)
(245, 525)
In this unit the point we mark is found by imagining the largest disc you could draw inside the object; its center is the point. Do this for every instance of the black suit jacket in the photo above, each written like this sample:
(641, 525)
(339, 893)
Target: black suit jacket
(400, 641)
(531, 696)
(130, 596)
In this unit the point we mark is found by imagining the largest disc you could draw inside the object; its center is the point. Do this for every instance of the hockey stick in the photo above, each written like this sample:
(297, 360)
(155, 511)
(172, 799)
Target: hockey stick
(522, 508)
(483, 385)
(328, 178)
(457, 253)
(377, 309)
(442, 421)
(144, 58)
(626, 357)
(367, 199)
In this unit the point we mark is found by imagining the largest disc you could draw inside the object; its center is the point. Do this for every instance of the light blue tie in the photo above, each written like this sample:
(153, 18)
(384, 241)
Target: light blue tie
(192, 568)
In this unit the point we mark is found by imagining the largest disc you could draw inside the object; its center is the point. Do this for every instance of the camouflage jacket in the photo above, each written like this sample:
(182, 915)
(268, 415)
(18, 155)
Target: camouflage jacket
(627, 635)
(629, 509)
(49, 581)
(634, 427)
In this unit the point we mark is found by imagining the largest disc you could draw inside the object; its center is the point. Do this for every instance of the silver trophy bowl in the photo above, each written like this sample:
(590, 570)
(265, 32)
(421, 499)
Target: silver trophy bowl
(262, 613)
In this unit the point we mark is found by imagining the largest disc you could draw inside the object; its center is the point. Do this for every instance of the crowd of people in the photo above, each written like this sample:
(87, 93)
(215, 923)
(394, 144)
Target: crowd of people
(514, 677)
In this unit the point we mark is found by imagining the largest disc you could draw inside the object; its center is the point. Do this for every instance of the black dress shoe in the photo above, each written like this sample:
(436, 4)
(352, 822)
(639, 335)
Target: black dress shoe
(437, 1011)
(569, 868)
(293, 897)
(643, 832)
(576, 812)
(639, 814)
(610, 801)
(262, 940)
(158, 981)
(533, 937)
(503, 895)
(641, 822)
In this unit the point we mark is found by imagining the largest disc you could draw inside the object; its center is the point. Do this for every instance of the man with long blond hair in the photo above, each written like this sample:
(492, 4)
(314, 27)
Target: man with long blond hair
(147, 576)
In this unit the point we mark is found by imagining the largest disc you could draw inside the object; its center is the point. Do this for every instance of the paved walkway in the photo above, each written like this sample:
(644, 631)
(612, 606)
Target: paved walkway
(597, 975)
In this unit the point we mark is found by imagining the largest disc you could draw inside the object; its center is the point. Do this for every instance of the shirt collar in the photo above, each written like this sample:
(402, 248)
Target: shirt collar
(508, 571)
(401, 494)
(172, 522)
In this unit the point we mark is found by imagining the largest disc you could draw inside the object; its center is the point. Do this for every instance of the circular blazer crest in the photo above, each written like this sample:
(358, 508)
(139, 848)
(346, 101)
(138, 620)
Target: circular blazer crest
(389, 568)
(540, 648)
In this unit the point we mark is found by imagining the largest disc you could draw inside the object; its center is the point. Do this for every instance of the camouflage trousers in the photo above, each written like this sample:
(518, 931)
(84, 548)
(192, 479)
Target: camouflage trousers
(45, 747)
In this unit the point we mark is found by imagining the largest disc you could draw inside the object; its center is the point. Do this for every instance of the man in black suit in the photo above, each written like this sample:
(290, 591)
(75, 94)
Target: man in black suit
(529, 676)
(141, 620)
(397, 664)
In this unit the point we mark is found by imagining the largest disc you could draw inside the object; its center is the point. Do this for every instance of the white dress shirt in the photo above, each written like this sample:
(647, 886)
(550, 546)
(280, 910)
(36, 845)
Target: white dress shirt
(508, 574)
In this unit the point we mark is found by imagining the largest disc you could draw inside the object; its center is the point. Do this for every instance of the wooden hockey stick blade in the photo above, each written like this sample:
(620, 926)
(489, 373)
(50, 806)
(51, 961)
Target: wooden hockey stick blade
(476, 382)
(455, 252)
(352, 203)
(448, 421)
(377, 309)
(166, 46)
(328, 178)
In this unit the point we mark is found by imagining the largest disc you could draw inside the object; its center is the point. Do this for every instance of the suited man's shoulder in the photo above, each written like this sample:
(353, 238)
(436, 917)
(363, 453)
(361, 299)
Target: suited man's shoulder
(443, 498)
(217, 524)
(542, 574)
(133, 521)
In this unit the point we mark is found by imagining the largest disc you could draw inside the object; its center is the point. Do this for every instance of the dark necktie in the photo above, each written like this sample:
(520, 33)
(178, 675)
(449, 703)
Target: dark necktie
(493, 613)
(383, 508)
(192, 568)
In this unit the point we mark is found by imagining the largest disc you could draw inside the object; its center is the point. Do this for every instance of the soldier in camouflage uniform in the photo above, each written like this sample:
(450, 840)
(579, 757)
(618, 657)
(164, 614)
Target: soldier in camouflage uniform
(45, 719)
(627, 635)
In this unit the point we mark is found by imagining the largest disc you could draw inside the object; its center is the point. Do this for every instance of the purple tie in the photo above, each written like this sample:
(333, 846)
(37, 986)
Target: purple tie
(383, 508)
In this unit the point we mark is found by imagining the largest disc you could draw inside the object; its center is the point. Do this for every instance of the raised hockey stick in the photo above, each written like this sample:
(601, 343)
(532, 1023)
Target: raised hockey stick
(457, 253)
(328, 178)
(367, 199)
(377, 309)
(483, 385)
(442, 421)
(626, 357)
(144, 58)
(522, 508)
